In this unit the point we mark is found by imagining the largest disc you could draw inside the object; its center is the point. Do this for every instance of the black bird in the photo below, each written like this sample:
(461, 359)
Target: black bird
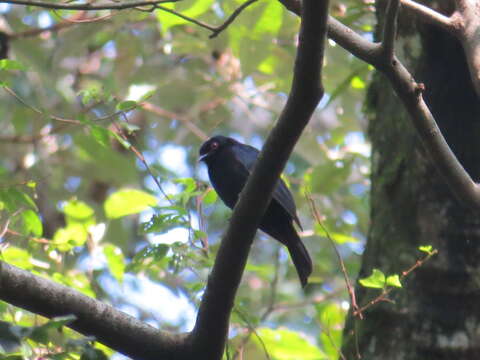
(229, 164)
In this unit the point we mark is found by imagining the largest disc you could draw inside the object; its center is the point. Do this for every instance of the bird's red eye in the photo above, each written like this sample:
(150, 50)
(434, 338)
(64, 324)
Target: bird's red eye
(214, 145)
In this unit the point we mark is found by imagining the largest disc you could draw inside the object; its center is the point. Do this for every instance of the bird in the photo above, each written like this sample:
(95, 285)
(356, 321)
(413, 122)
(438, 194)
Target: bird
(229, 163)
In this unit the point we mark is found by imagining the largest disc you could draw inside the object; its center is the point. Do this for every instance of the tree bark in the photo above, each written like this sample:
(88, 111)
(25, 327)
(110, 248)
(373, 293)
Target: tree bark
(437, 313)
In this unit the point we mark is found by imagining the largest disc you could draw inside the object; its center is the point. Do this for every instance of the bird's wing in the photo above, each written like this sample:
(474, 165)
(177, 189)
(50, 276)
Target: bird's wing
(248, 155)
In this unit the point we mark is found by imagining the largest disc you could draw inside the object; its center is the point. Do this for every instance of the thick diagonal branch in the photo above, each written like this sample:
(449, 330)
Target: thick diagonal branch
(213, 317)
(94, 318)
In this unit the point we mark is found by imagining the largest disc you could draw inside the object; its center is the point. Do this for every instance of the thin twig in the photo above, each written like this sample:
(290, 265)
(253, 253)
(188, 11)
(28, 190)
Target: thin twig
(429, 15)
(34, 109)
(216, 30)
(171, 115)
(231, 18)
(252, 330)
(185, 17)
(35, 239)
(72, 19)
(120, 5)
(390, 29)
(350, 288)
(140, 157)
(387, 290)
(270, 307)
(332, 342)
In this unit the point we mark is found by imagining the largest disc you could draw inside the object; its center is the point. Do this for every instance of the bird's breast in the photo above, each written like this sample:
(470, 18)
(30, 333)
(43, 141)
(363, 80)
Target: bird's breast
(228, 180)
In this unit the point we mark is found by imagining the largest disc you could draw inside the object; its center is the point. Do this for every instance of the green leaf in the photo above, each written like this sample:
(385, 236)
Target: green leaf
(337, 237)
(64, 239)
(115, 261)
(121, 140)
(189, 183)
(94, 92)
(210, 197)
(127, 105)
(17, 257)
(100, 134)
(357, 83)
(285, 344)
(376, 280)
(91, 353)
(190, 187)
(126, 202)
(32, 223)
(270, 22)
(393, 280)
(160, 223)
(76, 280)
(7, 64)
(14, 198)
(198, 234)
(332, 318)
(426, 248)
(151, 254)
(197, 8)
(42, 334)
(77, 211)
(148, 95)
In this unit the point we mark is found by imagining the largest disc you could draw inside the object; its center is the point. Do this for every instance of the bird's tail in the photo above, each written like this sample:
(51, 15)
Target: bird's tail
(301, 259)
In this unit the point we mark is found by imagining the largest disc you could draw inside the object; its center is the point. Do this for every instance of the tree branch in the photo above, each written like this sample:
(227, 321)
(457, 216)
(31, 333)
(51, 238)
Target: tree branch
(211, 327)
(216, 30)
(87, 6)
(141, 341)
(468, 24)
(111, 327)
(428, 15)
(390, 29)
(463, 24)
(410, 93)
(231, 18)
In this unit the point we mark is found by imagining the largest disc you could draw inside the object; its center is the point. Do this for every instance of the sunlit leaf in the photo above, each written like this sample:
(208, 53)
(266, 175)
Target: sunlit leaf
(393, 280)
(357, 83)
(115, 261)
(283, 344)
(7, 64)
(77, 211)
(128, 201)
(196, 9)
(72, 235)
(376, 280)
(426, 248)
(271, 19)
(32, 223)
(210, 197)
(127, 105)
(16, 256)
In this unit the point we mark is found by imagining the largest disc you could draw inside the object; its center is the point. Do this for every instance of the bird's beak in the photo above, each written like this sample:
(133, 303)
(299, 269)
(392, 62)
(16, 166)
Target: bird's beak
(202, 157)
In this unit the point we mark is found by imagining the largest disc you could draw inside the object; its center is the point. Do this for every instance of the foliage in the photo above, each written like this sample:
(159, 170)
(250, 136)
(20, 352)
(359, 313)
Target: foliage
(86, 106)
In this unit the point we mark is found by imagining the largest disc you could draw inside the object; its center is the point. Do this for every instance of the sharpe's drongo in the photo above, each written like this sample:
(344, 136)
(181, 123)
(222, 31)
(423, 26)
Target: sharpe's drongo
(229, 164)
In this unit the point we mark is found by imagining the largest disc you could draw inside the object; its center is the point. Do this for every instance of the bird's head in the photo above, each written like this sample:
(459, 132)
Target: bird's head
(213, 145)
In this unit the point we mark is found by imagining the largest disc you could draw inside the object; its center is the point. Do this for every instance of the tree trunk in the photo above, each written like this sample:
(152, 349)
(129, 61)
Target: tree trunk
(437, 313)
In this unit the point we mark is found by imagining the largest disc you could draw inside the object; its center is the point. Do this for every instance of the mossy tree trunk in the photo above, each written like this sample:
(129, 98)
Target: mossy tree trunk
(437, 313)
